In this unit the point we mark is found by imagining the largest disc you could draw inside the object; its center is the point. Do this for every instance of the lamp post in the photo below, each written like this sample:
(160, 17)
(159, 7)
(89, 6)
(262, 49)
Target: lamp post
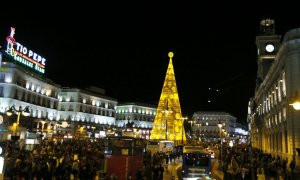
(12, 110)
(166, 112)
(93, 127)
(220, 125)
(43, 125)
(191, 122)
(198, 124)
(296, 101)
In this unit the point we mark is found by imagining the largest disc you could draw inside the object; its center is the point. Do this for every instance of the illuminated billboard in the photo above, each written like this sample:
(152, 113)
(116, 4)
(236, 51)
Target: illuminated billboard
(23, 55)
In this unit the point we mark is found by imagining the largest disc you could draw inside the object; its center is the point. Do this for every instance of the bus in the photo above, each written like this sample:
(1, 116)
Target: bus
(163, 146)
(196, 163)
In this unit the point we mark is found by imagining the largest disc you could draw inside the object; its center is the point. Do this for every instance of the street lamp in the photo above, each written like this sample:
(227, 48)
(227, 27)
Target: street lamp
(296, 101)
(93, 127)
(12, 110)
(43, 126)
(166, 112)
(198, 124)
(220, 125)
(191, 127)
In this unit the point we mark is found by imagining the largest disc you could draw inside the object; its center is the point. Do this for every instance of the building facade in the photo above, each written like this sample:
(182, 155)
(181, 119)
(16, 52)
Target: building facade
(140, 116)
(50, 104)
(273, 122)
(54, 111)
(205, 127)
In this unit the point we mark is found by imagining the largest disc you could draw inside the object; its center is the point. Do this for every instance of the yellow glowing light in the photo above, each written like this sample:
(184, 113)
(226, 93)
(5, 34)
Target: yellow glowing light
(296, 105)
(168, 122)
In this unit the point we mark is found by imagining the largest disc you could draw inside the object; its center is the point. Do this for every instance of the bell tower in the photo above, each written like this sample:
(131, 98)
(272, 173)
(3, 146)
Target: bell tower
(267, 43)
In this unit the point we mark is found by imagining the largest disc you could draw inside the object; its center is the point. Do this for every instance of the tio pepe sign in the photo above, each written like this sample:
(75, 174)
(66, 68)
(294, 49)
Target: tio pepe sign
(24, 55)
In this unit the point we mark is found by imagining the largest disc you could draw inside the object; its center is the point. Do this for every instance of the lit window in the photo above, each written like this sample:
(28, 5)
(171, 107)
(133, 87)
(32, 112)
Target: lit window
(8, 78)
(279, 91)
(43, 91)
(32, 87)
(48, 92)
(284, 114)
(68, 99)
(283, 84)
(279, 117)
(27, 85)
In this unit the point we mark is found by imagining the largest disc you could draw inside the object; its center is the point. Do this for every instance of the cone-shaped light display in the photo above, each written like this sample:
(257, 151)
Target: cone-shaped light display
(168, 122)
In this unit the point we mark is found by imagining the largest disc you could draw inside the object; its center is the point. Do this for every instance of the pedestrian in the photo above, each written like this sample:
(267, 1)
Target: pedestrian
(292, 166)
(167, 158)
(161, 173)
(283, 164)
(139, 174)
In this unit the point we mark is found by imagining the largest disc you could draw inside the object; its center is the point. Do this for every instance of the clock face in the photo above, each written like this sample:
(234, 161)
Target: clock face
(270, 48)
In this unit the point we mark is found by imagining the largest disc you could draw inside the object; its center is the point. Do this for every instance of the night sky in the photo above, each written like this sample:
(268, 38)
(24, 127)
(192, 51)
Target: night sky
(123, 48)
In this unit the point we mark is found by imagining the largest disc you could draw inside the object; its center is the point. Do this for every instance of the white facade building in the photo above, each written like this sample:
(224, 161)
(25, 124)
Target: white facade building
(141, 115)
(274, 123)
(50, 104)
(205, 126)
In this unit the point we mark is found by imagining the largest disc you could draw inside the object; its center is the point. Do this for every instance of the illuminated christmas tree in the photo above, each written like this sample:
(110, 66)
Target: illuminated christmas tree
(168, 122)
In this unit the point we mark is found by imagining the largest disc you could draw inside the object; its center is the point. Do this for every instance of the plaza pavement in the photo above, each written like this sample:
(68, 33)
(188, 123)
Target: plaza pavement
(215, 170)
(171, 173)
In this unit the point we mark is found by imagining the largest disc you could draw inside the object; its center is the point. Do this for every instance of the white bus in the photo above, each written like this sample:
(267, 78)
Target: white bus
(160, 146)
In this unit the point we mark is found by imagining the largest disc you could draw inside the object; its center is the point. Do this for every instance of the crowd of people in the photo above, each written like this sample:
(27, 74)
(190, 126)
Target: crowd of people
(155, 165)
(247, 163)
(71, 159)
(84, 159)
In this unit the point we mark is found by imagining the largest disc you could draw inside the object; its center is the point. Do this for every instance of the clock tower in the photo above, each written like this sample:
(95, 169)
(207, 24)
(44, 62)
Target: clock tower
(267, 43)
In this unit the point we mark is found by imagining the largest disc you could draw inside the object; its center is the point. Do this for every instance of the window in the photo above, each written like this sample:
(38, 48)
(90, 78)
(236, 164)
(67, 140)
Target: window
(279, 91)
(271, 99)
(71, 108)
(1, 91)
(16, 94)
(32, 97)
(2, 77)
(279, 117)
(275, 95)
(38, 100)
(284, 114)
(283, 84)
